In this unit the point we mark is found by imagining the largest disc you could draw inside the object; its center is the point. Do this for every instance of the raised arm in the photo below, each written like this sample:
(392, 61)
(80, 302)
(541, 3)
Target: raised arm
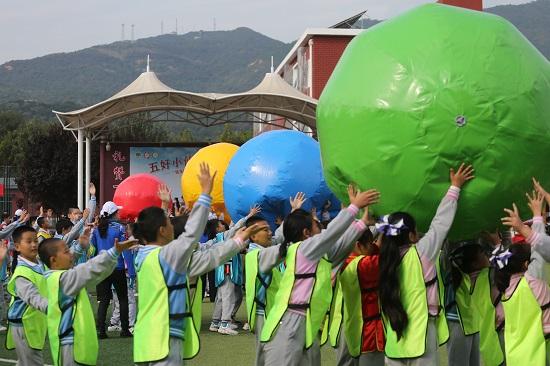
(430, 244)
(178, 253)
(318, 245)
(203, 261)
(77, 228)
(8, 230)
(93, 271)
(92, 204)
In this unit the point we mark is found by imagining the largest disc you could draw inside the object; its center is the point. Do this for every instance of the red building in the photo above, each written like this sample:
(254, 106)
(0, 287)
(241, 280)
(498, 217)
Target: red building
(310, 63)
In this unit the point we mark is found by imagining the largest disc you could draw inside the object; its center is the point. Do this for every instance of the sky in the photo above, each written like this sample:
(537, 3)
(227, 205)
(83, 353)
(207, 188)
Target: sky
(32, 28)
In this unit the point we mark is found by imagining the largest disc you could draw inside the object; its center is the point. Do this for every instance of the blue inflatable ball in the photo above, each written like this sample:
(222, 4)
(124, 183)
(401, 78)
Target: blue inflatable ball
(269, 169)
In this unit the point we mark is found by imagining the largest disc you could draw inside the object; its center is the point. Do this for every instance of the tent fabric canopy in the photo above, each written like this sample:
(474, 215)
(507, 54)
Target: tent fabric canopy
(147, 93)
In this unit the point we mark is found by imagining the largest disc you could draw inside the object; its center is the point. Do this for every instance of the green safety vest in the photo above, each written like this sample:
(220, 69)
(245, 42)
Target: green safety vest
(523, 334)
(467, 314)
(353, 308)
(318, 304)
(85, 345)
(489, 344)
(152, 328)
(252, 285)
(333, 317)
(336, 314)
(34, 321)
(413, 297)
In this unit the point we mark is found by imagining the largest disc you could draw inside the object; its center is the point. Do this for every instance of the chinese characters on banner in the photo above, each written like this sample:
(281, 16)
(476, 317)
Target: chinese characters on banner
(167, 163)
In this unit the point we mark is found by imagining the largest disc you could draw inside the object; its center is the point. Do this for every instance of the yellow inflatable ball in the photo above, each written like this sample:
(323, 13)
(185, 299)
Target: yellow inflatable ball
(218, 157)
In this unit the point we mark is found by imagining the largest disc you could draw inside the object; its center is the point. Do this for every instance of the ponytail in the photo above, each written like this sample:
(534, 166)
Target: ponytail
(103, 224)
(518, 254)
(396, 235)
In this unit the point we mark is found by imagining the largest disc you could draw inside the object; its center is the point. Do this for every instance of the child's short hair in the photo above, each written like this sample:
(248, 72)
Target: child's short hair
(254, 220)
(63, 224)
(18, 233)
(179, 223)
(48, 249)
(41, 221)
(366, 238)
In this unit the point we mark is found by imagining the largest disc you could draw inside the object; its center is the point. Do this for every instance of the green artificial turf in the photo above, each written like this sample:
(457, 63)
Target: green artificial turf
(216, 349)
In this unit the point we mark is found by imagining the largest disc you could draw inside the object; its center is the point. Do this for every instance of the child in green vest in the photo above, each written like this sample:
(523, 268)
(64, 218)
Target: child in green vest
(467, 296)
(26, 313)
(361, 341)
(71, 324)
(165, 333)
(409, 287)
(290, 332)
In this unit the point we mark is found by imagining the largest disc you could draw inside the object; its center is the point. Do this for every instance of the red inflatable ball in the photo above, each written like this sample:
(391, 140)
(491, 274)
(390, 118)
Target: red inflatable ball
(135, 193)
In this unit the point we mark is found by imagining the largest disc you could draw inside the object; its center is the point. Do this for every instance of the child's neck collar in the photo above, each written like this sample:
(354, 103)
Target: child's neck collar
(33, 261)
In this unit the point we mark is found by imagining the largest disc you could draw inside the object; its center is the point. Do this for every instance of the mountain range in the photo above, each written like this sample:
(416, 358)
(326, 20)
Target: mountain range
(215, 61)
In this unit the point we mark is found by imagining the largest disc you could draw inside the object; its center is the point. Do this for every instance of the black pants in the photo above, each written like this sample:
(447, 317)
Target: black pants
(105, 294)
(211, 277)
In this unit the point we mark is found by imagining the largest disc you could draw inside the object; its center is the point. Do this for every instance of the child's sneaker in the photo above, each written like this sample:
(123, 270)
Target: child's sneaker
(114, 328)
(214, 327)
(227, 330)
(246, 326)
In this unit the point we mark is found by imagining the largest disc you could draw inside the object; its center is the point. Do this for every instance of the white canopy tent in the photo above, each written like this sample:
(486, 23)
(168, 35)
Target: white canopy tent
(272, 98)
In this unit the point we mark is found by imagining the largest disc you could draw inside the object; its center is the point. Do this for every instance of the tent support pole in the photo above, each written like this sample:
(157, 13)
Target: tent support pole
(88, 170)
(80, 175)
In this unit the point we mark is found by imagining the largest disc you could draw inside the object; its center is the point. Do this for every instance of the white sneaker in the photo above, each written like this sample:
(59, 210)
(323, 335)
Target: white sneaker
(246, 326)
(3, 328)
(227, 331)
(214, 327)
(233, 326)
(114, 328)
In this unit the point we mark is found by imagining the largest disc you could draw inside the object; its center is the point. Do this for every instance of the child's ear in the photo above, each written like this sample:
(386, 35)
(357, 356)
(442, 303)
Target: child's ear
(306, 233)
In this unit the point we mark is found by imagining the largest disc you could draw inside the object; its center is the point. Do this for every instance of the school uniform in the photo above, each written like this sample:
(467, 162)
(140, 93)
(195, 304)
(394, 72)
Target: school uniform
(165, 332)
(421, 284)
(26, 313)
(303, 296)
(363, 331)
(71, 324)
(228, 279)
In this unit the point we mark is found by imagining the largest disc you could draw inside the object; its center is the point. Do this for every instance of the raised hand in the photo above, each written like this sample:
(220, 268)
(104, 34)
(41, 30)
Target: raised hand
(92, 189)
(164, 193)
(541, 190)
(86, 214)
(246, 232)
(206, 179)
(367, 198)
(513, 220)
(84, 239)
(297, 202)
(41, 213)
(3, 249)
(462, 175)
(535, 202)
(352, 192)
(125, 245)
(254, 210)
(25, 216)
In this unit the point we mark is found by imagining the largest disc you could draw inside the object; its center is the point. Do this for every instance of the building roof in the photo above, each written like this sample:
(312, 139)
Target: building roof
(310, 33)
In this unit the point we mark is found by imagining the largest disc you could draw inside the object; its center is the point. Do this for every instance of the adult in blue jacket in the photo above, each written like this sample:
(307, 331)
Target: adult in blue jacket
(109, 230)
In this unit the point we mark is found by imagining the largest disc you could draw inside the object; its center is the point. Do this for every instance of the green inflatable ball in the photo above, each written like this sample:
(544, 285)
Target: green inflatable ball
(423, 92)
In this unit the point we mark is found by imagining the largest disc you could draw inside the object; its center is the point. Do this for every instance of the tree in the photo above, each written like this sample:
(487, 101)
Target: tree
(46, 169)
(235, 136)
(186, 136)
